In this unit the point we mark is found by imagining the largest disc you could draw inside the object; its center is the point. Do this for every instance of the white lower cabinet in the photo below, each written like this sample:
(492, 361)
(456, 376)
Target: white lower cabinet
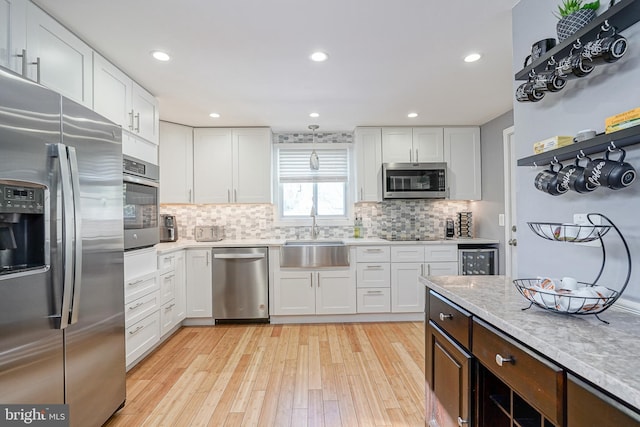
(199, 285)
(410, 261)
(299, 292)
(172, 290)
(373, 279)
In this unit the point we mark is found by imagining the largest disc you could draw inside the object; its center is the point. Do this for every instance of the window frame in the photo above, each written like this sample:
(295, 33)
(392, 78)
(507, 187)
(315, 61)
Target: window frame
(305, 220)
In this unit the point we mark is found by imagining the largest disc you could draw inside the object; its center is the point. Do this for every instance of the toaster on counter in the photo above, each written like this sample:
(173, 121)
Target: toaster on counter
(208, 233)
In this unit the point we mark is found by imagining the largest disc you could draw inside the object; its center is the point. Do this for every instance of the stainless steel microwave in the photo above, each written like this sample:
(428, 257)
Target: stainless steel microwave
(414, 180)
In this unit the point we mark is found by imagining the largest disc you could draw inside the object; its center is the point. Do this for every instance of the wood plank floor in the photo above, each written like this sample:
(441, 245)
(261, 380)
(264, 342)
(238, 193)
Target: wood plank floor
(361, 374)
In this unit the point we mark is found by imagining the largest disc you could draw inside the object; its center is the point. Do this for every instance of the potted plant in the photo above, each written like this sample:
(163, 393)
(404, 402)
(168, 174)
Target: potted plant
(573, 15)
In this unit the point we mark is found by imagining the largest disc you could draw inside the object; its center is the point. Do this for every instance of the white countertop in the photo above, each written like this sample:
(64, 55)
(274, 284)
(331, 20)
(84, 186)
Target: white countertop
(606, 355)
(185, 244)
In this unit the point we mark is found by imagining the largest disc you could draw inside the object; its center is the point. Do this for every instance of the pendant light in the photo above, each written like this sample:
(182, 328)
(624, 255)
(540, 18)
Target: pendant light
(314, 162)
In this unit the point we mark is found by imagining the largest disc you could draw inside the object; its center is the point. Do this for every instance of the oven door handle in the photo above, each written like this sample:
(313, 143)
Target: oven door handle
(137, 180)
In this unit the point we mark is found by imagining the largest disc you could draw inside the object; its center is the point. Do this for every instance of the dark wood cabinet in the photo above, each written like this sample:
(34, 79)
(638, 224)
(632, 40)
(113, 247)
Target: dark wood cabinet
(449, 369)
(589, 407)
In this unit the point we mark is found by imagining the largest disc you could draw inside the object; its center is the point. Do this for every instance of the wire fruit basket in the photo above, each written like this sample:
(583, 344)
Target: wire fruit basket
(586, 298)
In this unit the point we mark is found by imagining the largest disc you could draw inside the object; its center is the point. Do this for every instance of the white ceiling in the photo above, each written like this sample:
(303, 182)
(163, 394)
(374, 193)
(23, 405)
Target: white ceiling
(248, 60)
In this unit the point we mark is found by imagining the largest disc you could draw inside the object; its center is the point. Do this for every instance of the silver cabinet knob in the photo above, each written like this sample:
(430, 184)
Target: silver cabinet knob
(443, 316)
(501, 360)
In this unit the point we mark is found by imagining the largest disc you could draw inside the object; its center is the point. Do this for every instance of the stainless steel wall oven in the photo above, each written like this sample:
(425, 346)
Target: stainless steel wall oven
(140, 203)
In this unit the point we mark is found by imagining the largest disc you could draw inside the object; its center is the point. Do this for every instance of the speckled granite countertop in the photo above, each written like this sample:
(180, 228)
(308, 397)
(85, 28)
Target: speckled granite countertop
(185, 244)
(606, 355)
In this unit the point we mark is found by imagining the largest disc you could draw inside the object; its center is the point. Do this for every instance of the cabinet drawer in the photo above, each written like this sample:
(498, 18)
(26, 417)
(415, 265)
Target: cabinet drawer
(441, 253)
(137, 287)
(140, 263)
(538, 381)
(374, 300)
(166, 263)
(407, 253)
(168, 317)
(452, 319)
(372, 253)
(373, 275)
(141, 307)
(167, 287)
(142, 336)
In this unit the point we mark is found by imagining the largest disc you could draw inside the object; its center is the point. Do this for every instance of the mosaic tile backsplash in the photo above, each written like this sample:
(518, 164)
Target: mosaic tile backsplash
(307, 137)
(400, 219)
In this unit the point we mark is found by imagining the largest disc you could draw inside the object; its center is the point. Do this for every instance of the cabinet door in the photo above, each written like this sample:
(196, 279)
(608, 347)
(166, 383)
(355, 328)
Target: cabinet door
(428, 144)
(252, 165)
(368, 164)
(407, 295)
(294, 293)
(13, 21)
(112, 92)
(212, 165)
(589, 407)
(145, 114)
(462, 154)
(176, 163)
(139, 148)
(199, 286)
(397, 145)
(167, 317)
(65, 60)
(449, 376)
(167, 287)
(181, 288)
(335, 292)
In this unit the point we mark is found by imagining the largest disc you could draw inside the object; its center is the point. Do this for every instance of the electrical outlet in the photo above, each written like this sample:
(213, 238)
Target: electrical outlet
(501, 220)
(581, 219)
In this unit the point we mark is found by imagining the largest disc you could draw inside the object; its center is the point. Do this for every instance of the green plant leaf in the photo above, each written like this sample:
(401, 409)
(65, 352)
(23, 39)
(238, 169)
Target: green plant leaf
(593, 6)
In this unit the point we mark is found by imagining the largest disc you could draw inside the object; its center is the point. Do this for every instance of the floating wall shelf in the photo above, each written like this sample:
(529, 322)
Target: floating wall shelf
(621, 15)
(600, 143)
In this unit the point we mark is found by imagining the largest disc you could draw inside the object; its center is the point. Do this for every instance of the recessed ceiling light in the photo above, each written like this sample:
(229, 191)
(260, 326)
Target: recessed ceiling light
(160, 56)
(412, 115)
(319, 56)
(214, 115)
(473, 57)
(314, 115)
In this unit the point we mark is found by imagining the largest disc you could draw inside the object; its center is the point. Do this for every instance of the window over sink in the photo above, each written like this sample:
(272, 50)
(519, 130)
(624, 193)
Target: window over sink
(299, 189)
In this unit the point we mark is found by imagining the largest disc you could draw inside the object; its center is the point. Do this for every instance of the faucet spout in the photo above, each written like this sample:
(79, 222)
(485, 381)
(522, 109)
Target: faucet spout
(315, 231)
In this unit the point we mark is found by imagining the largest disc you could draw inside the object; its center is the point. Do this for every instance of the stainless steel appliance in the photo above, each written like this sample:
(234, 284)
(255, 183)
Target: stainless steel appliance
(414, 180)
(208, 233)
(61, 254)
(140, 210)
(474, 259)
(168, 228)
(240, 284)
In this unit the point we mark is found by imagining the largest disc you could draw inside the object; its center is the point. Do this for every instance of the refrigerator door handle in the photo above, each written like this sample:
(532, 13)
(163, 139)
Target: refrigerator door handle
(77, 237)
(67, 226)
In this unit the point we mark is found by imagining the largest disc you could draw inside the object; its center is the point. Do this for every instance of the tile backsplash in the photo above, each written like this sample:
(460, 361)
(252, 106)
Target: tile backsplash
(406, 219)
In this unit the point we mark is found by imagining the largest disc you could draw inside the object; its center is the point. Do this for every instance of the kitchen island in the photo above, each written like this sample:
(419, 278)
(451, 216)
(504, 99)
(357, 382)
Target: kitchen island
(602, 355)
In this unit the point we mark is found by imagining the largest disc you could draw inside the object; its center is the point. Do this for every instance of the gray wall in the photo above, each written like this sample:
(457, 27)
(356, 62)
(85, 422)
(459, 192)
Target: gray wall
(583, 104)
(492, 204)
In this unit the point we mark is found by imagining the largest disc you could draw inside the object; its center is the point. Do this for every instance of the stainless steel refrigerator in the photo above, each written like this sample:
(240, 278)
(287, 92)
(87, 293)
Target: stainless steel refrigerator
(61, 254)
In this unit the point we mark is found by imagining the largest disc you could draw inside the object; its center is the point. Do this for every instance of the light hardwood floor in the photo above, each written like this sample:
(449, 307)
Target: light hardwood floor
(362, 374)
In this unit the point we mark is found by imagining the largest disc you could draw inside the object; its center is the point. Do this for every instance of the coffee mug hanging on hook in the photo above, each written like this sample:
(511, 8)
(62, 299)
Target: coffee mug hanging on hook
(607, 49)
(549, 80)
(528, 92)
(574, 66)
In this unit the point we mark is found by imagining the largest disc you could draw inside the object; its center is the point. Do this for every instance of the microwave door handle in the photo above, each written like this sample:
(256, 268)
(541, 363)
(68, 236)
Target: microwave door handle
(60, 152)
(77, 238)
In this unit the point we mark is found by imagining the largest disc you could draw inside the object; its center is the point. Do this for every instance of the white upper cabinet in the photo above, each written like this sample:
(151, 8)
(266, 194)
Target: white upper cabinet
(176, 163)
(368, 164)
(13, 21)
(58, 59)
(123, 101)
(232, 165)
(403, 144)
(462, 154)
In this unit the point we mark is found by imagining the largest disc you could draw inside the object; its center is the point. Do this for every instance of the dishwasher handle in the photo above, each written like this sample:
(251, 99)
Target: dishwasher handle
(238, 256)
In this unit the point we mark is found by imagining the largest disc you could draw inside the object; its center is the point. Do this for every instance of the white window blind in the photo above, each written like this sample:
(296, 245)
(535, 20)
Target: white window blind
(293, 165)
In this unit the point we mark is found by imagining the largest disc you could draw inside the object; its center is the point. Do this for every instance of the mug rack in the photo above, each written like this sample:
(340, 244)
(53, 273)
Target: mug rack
(621, 15)
(598, 144)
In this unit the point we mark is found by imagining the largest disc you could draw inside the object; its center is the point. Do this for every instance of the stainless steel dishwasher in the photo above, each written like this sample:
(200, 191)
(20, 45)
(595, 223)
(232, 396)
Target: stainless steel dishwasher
(240, 284)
